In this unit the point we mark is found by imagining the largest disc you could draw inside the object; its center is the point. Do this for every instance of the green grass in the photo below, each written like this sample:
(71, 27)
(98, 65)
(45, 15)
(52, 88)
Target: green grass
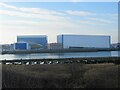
(61, 76)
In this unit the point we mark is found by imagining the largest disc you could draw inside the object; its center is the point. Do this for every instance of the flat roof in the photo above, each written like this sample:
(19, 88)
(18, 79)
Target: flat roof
(80, 35)
(31, 36)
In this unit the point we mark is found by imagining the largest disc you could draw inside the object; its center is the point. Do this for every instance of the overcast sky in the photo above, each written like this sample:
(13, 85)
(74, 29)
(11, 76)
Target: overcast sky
(54, 18)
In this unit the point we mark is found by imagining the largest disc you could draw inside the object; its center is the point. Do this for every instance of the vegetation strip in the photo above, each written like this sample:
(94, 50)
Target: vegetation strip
(87, 60)
(59, 50)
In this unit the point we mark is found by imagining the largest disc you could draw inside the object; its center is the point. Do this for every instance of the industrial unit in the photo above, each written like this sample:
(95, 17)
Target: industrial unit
(21, 46)
(84, 41)
(34, 40)
(55, 46)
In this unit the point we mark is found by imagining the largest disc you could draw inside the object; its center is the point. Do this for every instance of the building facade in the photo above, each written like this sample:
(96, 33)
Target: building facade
(84, 41)
(34, 40)
(55, 46)
(21, 46)
(115, 45)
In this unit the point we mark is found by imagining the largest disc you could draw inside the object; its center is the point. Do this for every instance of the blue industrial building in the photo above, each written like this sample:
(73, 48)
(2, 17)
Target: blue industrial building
(21, 46)
(34, 39)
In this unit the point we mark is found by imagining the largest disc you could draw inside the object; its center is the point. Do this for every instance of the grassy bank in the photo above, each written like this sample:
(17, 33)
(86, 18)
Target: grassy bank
(61, 76)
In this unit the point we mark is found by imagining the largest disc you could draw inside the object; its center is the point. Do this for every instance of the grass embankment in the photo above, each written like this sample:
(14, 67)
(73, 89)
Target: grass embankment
(61, 76)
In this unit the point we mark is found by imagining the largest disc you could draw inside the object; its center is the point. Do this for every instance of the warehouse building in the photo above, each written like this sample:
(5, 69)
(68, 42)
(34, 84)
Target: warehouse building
(34, 41)
(84, 41)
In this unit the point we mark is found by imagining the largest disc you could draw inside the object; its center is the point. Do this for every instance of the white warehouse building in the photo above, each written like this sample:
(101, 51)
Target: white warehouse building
(84, 41)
